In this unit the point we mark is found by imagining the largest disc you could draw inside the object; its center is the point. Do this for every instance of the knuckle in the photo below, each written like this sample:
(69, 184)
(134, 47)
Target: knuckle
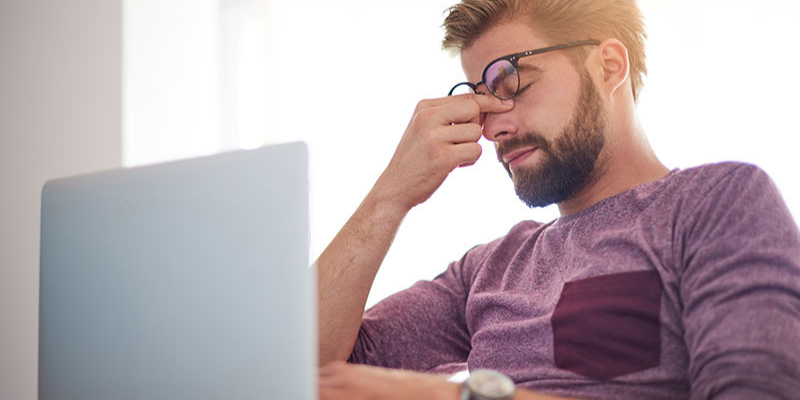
(466, 96)
(470, 102)
(421, 117)
(425, 113)
(423, 104)
(441, 162)
(434, 153)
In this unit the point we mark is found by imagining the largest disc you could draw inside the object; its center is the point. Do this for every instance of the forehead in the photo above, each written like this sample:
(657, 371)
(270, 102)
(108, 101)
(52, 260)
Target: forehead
(499, 41)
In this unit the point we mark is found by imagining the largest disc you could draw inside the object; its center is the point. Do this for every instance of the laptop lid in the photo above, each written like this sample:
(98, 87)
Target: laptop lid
(185, 280)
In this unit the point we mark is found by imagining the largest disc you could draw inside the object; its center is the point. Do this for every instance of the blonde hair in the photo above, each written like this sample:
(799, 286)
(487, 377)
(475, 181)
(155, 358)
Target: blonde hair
(560, 21)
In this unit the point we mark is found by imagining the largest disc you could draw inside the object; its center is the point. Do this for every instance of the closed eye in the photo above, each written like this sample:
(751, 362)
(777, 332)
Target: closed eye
(524, 88)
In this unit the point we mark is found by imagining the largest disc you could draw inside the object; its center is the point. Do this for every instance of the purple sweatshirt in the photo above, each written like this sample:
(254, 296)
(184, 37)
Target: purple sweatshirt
(686, 287)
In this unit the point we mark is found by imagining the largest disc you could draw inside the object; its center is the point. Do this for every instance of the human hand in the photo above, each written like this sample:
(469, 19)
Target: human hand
(442, 135)
(341, 381)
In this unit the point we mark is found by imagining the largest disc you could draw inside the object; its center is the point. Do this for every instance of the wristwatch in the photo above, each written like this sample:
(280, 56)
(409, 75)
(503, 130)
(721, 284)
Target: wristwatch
(485, 384)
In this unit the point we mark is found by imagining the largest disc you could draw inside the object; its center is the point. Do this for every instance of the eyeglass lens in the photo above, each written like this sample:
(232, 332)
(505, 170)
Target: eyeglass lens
(502, 79)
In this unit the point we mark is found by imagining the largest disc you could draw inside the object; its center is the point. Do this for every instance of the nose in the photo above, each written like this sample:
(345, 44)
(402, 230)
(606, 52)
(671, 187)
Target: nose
(497, 126)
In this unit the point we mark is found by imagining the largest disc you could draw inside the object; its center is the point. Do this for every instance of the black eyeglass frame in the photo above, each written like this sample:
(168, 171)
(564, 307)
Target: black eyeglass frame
(514, 60)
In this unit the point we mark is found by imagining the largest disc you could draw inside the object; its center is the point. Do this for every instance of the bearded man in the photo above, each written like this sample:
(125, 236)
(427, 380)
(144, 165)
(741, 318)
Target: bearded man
(653, 283)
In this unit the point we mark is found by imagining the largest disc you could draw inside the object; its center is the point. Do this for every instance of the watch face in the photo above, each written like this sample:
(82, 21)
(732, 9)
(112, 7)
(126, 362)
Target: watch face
(490, 384)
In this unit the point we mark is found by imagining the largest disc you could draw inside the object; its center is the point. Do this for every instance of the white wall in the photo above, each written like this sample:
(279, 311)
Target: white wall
(171, 87)
(60, 107)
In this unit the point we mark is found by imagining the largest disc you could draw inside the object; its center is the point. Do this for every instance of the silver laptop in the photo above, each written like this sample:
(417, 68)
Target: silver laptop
(186, 280)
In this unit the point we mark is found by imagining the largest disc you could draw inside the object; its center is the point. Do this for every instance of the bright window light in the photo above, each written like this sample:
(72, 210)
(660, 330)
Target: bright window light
(346, 76)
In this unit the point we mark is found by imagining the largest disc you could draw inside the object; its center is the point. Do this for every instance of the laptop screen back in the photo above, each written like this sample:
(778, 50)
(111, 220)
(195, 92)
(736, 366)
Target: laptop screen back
(186, 280)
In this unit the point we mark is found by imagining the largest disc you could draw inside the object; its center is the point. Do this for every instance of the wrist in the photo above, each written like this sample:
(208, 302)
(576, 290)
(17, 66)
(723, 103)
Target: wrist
(386, 205)
(400, 191)
(484, 384)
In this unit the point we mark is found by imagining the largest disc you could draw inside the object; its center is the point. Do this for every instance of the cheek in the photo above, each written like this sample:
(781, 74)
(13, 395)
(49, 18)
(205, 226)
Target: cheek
(537, 111)
(547, 108)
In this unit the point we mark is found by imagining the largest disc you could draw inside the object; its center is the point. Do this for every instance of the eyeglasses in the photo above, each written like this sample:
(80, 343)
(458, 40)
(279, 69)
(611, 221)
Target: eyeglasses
(501, 76)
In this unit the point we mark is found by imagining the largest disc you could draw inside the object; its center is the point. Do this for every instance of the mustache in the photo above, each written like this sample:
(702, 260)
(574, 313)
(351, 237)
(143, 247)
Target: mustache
(529, 139)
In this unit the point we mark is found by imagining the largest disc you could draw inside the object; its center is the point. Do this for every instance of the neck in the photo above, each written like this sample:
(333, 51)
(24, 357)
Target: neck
(622, 166)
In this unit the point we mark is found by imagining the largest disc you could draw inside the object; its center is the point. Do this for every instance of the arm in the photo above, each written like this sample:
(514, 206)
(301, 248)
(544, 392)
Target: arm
(441, 136)
(741, 291)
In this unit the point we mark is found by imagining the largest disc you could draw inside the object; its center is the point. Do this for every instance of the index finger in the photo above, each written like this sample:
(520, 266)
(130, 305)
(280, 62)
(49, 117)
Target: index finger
(487, 103)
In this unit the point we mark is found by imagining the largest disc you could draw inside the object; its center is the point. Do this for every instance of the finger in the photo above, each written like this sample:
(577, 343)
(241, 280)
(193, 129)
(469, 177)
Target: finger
(486, 103)
(430, 103)
(469, 109)
(493, 104)
(454, 112)
(466, 153)
(484, 98)
(459, 133)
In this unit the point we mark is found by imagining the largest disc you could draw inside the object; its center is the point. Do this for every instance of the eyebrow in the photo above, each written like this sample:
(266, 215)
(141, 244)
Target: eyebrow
(528, 67)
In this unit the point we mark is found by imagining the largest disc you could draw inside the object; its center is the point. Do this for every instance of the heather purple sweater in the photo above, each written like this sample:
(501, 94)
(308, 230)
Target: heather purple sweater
(686, 287)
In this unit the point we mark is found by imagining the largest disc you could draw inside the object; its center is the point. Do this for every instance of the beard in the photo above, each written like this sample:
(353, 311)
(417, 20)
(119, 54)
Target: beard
(570, 162)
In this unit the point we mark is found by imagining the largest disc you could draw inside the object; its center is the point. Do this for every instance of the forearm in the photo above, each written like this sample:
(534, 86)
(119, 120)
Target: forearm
(442, 134)
(347, 269)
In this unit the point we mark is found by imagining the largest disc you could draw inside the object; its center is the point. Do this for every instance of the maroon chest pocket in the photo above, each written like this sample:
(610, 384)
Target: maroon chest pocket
(608, 326)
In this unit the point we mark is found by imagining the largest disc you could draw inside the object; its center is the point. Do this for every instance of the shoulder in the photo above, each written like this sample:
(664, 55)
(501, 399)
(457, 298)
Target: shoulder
(733, 184)
(734, 203)
(710, 175)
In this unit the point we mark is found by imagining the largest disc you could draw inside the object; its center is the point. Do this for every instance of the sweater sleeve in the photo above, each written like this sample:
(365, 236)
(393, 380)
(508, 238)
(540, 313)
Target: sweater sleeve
(741, 290)
(422, 327)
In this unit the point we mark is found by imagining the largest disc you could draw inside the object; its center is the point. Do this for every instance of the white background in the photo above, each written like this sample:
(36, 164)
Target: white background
(345, 76)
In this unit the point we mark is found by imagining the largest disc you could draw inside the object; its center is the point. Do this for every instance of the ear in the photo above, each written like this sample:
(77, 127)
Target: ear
(612, 58)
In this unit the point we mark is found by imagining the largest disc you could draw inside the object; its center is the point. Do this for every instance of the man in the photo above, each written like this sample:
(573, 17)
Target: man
(653, 284)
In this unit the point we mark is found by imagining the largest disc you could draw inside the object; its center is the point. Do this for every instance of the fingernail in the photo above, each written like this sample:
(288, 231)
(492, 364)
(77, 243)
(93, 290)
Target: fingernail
(508, 102)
